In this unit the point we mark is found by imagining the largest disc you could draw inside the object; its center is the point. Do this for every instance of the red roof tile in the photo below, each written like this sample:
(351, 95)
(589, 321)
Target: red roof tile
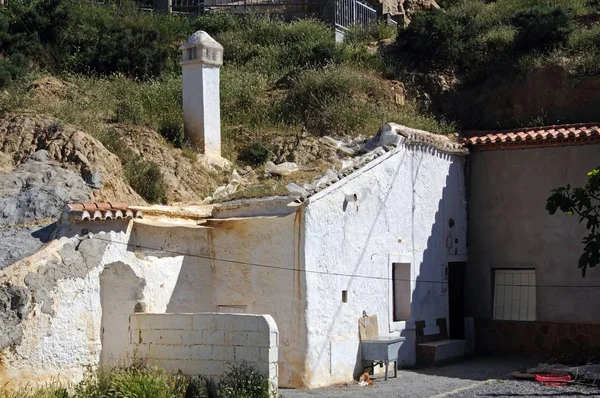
(100, 211)
(565, 134)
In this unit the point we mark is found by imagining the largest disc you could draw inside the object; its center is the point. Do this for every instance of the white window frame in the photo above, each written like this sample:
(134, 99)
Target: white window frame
(398, 326)
(514, 293)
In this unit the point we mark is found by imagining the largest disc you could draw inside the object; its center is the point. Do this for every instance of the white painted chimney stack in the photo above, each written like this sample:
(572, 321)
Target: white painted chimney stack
(201, 59)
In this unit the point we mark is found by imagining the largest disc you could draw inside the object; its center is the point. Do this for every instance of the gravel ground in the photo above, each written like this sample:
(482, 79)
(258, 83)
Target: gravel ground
(478, 377)
(519, 388)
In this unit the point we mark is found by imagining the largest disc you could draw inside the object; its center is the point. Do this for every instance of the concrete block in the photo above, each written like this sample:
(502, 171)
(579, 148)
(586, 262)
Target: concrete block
(166, 364)
(274, 339)
(191, 337)
(262, 367)
(236, 337)
(149, 336)
(248, 354)
(181, 321)
(140, 350)
(246, 322)
(211, 368)
(134, 336)
(262, 324)
(162, 336)
(172, 352)
(200, 352)
(203, 321)
(225, 321)
(223, 353)
(259, 339)
(213, 337)
(269, 354)
(146, 321)
(273, 370)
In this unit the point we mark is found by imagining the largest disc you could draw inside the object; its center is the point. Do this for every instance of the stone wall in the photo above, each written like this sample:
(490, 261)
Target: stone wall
(564, 342)
(206, 343)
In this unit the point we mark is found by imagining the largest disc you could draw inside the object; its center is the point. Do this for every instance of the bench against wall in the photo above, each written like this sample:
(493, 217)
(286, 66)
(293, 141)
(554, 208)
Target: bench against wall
(436, 348)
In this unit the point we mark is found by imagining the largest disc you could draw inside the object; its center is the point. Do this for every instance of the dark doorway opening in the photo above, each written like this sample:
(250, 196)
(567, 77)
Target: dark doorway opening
(456, 299)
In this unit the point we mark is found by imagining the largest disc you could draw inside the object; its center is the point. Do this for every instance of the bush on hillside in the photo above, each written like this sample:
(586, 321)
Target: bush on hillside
(11, 69)
(435, 40)
(145, 177)
(68, 36)
(254, 154)
(542, 28)
(147, 180)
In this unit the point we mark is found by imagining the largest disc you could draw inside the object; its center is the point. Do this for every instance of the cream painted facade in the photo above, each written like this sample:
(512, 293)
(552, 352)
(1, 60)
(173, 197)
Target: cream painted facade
(288, 259)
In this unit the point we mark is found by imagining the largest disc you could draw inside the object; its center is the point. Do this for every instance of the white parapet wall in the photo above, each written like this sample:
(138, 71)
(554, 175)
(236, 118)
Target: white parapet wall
(206, 344)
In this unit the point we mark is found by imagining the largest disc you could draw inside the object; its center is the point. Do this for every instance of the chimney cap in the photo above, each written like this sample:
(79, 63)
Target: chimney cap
(201, 38)
(202, 49)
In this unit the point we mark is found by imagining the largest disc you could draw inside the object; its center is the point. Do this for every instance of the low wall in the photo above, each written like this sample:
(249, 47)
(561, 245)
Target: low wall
(568, 342)
(206, 343)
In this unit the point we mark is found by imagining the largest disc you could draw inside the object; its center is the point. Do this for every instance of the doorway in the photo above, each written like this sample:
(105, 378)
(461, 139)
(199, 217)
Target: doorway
(456, 299)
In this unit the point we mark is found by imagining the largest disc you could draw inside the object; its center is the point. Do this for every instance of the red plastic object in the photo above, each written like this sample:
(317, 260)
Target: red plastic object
(553, 379)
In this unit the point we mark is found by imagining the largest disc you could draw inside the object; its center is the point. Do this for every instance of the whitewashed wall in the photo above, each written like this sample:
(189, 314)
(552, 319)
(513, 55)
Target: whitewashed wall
(402, 214)
(79, 316)
(62, 332)
(257, 271)
(206, 344)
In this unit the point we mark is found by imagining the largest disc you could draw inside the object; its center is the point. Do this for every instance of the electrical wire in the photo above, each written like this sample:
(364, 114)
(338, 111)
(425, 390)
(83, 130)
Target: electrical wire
(383, 278)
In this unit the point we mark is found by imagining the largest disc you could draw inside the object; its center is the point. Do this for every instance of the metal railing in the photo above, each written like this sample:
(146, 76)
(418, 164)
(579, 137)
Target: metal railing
(353, 13)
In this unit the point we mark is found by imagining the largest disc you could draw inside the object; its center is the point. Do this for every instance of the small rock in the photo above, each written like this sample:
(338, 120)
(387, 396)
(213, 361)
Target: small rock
(40, 156)
(95, 180)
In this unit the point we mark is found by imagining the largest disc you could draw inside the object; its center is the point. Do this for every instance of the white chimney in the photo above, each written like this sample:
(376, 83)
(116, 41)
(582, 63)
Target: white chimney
(201, 59)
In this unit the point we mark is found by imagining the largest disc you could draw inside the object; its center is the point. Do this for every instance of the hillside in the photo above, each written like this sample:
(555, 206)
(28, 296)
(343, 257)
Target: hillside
(112, 77)
(505, 63)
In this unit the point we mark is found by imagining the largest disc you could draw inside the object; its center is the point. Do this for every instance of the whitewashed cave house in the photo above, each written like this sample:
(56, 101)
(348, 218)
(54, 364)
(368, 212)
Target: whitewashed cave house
(378, 238)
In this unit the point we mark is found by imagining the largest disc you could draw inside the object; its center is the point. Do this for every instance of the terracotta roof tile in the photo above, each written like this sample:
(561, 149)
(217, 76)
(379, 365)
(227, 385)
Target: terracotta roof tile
(568, 134)
(100, 211)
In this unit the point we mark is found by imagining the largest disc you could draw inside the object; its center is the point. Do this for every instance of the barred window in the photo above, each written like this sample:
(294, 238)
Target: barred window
(514, 295)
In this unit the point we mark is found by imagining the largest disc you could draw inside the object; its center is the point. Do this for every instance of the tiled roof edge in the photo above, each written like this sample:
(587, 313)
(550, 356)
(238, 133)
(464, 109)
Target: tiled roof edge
(439, 142)
(100, 211)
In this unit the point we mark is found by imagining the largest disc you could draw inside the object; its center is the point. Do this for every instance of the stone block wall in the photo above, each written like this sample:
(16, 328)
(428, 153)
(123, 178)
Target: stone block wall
(563, 342)
(206, 343)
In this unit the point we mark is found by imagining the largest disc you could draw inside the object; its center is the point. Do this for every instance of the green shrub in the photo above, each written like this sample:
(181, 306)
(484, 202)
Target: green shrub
(436, 40)
(359, 35)
(145, 177)
(132, 381)
(255, 153)
(317, 99)
(68, 35)
(542, 28)
(172, 131)
(147, 180)
(243, 381)
(11, 69)
(129, 112)
(218, 23)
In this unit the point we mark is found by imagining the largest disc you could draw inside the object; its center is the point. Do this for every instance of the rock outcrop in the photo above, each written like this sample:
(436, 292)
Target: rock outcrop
(32, 197)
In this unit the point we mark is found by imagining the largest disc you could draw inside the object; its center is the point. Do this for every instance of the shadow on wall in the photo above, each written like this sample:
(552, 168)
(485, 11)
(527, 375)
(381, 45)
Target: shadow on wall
(120, 292)
(358, 369)
(430, 287)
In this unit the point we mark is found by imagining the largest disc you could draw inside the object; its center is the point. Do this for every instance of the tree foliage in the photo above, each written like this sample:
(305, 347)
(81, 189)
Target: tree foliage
(584, 202)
